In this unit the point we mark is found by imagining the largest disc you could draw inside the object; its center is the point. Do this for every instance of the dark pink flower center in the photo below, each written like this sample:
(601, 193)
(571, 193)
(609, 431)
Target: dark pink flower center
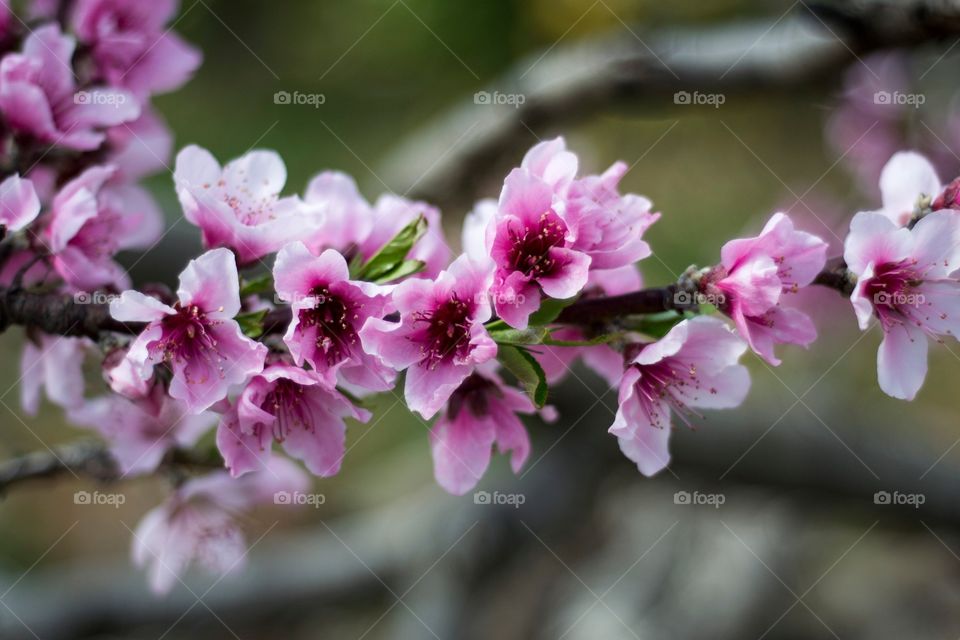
(333, 318)
(529, 250)
(447, 332)
(288, 403)
(474, 395)
(187, 337)
(950, 198)
(893, 290)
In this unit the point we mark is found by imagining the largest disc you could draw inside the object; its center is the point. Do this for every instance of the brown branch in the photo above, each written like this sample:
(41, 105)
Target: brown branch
(63, 315)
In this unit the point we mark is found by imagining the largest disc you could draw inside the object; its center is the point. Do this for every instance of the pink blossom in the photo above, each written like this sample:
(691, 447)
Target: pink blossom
(344, 217)
(54, 364)
(141, 431)
(199, 522)
(132, 46)
(440, 336)
(140, 148)
(239, 206)
(123, 376)
(906, 279)
(92, 220)
(481, 414)
(693, 367)
(906, 178)
(38, 95)
(197, 337)
(293, 407)
(329, 310)
(949, 198)
(754, 277)
(19, 204)
(530, 243)
(551, 162)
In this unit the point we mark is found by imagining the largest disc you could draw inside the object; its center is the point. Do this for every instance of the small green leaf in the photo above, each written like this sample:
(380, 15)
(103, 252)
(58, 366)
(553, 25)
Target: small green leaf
(391, 255)
(659, 324)
(252, 323)
(549, 309)
(260, 284)
(402, 270)
(530, 335)
(527, 370)
(592, 342)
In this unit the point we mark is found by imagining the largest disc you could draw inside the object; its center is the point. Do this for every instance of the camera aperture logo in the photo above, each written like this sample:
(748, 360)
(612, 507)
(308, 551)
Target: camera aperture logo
(299, 499)
(899, 98)
(899, 499)
(97, 498)
(714, 100)
(498, 498)
(714, 500)
(298, 98)
(514, 100)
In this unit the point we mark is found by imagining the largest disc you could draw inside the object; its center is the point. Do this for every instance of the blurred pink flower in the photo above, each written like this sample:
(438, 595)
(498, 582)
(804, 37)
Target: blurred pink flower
(440, 336)
(39, 97)
(197, 337)
(198, 523)
(91, 220)
(54, 364)
(141, 431)
(906, 278)
(131, 45)
(693, 367)
(19, 204)
(293, 407)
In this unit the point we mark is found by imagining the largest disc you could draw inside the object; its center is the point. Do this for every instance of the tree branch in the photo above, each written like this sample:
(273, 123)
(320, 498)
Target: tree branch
(812, 45)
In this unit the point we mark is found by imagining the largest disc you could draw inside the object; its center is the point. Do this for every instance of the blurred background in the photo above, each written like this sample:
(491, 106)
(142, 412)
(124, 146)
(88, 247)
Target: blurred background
(793, 542)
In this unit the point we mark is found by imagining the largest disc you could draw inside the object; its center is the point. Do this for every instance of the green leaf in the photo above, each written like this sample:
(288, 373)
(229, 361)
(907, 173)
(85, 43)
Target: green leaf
(549, 309)
(252, 323)
(659, 324)
(530, 335)
(402, 270)
(527, 370)
(392, 255)
(257, 285)
(592, 342)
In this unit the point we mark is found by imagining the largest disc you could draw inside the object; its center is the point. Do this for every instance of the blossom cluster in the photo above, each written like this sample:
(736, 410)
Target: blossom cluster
(303, 306)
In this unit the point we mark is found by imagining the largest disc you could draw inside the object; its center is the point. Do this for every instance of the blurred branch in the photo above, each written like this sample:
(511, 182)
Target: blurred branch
(811, 45)
(88, 458)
